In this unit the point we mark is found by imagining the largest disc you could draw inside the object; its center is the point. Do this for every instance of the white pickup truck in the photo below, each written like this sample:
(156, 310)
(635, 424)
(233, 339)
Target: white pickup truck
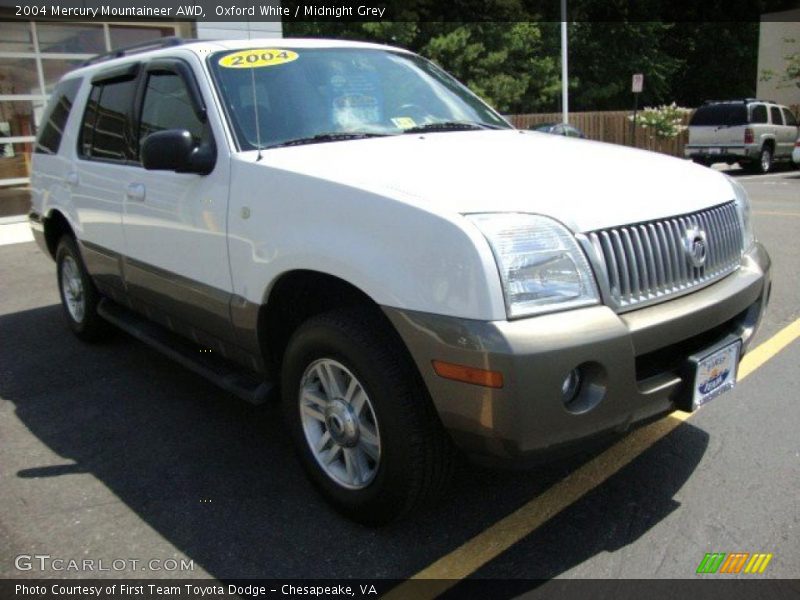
(348, 225)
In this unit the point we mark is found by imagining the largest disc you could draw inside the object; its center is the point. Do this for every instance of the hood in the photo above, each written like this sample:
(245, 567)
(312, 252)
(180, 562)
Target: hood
(584, 184)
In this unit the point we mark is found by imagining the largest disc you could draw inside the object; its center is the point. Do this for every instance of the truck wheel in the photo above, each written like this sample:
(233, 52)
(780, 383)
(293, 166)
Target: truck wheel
(79, 297)
(363, 425)
(764, 162)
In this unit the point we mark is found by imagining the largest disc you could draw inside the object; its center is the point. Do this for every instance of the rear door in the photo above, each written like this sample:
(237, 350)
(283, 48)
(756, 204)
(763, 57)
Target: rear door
(782, 147)
(103, 168)
(175, 224)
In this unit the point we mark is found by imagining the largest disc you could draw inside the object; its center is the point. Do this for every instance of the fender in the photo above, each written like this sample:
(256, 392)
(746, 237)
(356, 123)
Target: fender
(397, 249)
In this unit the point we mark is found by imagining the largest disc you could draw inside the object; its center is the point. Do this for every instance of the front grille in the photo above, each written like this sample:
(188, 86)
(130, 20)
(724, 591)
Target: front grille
(648, 262)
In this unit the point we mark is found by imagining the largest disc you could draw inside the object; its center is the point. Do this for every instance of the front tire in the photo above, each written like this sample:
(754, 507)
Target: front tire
(361, 420)
(79, 297)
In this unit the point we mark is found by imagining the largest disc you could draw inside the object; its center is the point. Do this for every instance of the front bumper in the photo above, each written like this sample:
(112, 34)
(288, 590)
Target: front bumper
(633, 363)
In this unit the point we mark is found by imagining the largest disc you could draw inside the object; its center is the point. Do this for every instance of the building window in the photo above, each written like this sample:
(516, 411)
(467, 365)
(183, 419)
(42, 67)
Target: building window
(33, 57)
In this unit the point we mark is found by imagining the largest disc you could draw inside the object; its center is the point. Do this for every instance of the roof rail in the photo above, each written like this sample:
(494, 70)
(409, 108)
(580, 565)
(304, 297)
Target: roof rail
(735, 101)
(164, 42)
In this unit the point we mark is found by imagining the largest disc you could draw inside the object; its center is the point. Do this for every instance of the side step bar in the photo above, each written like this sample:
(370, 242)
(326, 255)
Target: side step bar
(229, 377)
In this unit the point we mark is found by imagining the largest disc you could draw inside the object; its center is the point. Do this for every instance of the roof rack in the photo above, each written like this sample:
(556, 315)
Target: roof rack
(164, 42)
(737, 101)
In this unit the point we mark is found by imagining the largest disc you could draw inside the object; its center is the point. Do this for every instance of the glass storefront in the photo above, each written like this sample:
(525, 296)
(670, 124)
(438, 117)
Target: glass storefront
(33, 56)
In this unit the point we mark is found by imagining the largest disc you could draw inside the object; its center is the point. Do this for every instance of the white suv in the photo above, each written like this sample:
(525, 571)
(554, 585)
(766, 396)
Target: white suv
(752, 133)
(347, 224)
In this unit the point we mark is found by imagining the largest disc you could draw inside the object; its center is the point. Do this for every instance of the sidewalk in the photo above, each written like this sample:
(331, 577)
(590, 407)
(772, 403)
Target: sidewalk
(15, 230)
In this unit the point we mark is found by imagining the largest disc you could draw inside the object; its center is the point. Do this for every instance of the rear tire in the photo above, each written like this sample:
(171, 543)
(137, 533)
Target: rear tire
(764, 162)
(79, 297)
(350, 390)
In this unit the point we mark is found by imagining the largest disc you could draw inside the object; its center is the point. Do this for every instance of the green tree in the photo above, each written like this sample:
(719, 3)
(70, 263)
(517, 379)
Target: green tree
(604, 55)
(507, 64)
(719, 61)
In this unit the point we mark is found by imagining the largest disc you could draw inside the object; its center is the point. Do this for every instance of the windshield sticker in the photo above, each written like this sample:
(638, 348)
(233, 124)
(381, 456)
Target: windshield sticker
(356, 110)
(404, 122)
(357, 99)
(254, 58)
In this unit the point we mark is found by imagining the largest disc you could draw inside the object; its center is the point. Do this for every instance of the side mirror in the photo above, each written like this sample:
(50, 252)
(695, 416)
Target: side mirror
(175, 150)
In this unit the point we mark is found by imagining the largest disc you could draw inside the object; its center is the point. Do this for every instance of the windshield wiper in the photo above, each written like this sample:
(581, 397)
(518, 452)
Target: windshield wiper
(450, 126)
(328, 137)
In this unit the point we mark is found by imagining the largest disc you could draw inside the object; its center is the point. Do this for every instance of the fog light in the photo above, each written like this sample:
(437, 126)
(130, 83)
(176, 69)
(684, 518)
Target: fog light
(570, 386)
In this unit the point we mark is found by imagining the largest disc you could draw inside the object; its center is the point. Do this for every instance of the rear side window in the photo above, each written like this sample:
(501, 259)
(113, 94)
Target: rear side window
(788, 117)
(106, 127)
(759, 114)
(55, 116)
(775, 114)
(720, 114)
(167, 105)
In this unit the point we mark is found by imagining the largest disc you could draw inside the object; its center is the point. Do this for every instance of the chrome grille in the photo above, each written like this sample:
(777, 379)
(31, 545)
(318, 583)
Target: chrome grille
(649, 262)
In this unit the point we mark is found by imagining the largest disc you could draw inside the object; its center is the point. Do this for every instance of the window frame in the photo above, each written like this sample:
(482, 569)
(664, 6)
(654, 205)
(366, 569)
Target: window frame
(70, 89)
(118, 74)
(775, 108)
(753, 109)
(174, 66)
(787, 111)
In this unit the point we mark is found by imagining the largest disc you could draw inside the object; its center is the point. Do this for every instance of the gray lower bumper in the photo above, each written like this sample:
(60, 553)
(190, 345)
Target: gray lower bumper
(720, 153)
(634, 364)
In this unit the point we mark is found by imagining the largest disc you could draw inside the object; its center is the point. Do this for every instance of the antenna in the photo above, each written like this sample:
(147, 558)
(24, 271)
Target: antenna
(255, 101)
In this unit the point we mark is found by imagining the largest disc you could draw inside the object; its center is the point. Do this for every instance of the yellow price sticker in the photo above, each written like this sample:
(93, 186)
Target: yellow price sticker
(404, 122)
(253, 58)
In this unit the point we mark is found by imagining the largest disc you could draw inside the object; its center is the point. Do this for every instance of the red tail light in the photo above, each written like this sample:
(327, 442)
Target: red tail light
(748, 136)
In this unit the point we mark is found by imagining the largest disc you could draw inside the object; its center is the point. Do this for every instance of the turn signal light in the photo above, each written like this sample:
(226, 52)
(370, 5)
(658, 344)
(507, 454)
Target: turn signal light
(492, 379)
(748, 136)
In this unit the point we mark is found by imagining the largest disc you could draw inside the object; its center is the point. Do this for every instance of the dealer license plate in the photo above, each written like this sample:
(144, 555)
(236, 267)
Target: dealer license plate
(715, 150)
(715, 374)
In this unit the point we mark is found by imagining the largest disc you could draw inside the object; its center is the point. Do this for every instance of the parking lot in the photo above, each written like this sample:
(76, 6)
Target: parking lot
(114, 452)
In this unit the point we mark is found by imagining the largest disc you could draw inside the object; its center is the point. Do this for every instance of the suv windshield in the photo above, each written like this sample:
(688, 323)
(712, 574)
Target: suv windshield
(282, 96)
(720, 114)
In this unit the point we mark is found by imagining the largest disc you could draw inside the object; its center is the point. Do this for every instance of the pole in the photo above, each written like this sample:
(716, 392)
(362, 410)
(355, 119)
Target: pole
(633, 123)
(564, 70)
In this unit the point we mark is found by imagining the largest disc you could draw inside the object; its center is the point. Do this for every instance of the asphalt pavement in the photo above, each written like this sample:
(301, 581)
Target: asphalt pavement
(113, 452)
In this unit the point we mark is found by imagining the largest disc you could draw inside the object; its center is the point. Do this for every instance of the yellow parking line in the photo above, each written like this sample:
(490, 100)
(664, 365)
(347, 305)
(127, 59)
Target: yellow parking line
(758, 356)
(499, 537)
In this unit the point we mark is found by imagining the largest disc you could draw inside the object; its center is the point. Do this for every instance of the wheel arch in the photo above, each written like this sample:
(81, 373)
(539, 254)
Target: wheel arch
(298, 295)
(56, 225)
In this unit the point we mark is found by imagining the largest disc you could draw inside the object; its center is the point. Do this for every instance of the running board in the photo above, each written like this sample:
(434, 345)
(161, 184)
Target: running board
(226, 375)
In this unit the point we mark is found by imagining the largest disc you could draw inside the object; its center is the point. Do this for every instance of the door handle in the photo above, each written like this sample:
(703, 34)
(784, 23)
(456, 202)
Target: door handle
(136, 191)
(71, 178)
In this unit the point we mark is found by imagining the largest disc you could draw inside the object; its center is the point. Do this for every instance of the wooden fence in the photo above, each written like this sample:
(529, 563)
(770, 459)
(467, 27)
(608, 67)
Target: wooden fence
(608, 126)
(615, 127)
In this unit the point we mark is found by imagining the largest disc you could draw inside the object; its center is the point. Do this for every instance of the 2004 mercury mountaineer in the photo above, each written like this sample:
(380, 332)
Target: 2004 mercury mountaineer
(346, 223)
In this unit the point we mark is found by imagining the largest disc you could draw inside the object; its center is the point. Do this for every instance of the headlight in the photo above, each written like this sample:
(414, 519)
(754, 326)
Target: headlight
(743, 207)
(541, 266)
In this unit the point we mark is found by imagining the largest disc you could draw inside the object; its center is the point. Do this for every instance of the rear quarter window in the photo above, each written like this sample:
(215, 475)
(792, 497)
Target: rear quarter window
(54, 120)
(720, 114)
(759, 114)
